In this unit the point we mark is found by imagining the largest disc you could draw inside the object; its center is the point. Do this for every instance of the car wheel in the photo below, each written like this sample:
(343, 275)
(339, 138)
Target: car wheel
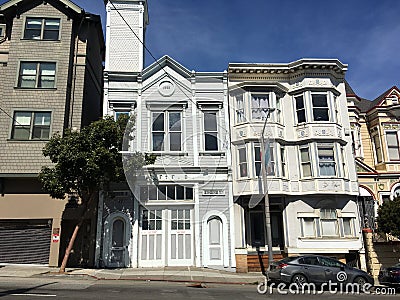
(361, 281)
(299, 279)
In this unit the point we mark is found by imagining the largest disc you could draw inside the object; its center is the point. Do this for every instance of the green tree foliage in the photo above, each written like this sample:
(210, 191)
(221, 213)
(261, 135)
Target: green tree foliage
(87, 161)
(389, 217)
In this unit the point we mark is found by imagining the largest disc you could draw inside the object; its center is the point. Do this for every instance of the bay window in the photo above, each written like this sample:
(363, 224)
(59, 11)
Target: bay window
(320, 107)
(305, 161)
(240, 114)
(257, 160)
(300, 109)
(377, 145)
(393, 145)
(260, 105)
(242, 162)
(329, 222)
(326, 160)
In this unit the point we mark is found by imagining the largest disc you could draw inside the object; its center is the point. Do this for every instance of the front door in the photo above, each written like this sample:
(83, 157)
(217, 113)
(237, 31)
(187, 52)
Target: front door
(166, 237)
(214, 242)
(118, 250)
(152, 238)
(180, 238)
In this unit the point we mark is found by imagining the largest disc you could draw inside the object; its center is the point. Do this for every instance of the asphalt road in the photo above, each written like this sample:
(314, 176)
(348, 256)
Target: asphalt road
(65, 288)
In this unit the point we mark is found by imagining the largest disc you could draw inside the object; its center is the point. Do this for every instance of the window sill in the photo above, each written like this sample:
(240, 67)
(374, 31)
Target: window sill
(167, 153)
(28, 141)
(34, 89)
(41, 40)
(212, 153)
(330, 238)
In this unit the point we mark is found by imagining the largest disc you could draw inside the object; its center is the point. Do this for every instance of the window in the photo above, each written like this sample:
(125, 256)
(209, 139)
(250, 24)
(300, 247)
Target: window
(278, 111)
(344, 170)
(37, 75)
(29, 125)
(348, 226)
(320, 107)
(300, 109)
(305, 162)
(151, 219)
(270, 158)
(167, 137)
(210, 131)
(180, 219)
(308, 227)
(326, 160)
(259, 106)
(328, 220)
(166, 192)
(283, 161)
(242, 162)
(240, 116)
(2, 30)
(377, 145)
(42, 29)
(117, 114)
(257, 160)
(393, 145)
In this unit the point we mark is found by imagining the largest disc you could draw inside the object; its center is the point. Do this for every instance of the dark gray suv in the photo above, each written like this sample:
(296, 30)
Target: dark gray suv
(316, 269)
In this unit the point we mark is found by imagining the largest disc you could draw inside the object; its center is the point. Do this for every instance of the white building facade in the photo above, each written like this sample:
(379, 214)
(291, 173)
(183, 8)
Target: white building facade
(179, 213)
(311, 182)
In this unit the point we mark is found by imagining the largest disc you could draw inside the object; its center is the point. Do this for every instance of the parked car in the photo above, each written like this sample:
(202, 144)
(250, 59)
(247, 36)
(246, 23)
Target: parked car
(316, 269)
(390, 276)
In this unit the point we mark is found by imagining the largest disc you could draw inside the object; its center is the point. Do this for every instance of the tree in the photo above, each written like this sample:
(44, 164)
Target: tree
(389, 217)
(86, 162)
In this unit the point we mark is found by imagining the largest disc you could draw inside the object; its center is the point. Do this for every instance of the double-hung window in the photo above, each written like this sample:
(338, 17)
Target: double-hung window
(305, 162)
(308, 227)
(28, 125)
(300, 109)
(257, 160)
(393, 145)
(378, 152)
(210, 131)
(329, 222)
(326, 160)
(167, 131)
(320, 107)
(240, 115)
(42, 29)
(348, 227)
(283, 162)
(37, 75)
(242, 162)
(260, 105)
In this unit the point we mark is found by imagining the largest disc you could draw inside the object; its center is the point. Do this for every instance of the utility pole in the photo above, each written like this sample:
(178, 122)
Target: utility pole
(265, 190)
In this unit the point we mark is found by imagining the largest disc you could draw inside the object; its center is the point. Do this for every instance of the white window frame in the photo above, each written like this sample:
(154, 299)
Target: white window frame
(42, 28)
(295, 97)
(309, 162)
(211, 132)
(334, 161)
(167, 131)
(395, 147)
(240, 163)
(240, 111)
(336, 222)
(320, 107)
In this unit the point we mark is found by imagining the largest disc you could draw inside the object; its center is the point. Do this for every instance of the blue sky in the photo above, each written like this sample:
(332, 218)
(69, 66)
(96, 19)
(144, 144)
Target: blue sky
(206, 35)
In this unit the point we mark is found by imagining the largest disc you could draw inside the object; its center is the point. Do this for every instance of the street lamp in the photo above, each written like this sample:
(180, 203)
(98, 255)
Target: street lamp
(265, 190)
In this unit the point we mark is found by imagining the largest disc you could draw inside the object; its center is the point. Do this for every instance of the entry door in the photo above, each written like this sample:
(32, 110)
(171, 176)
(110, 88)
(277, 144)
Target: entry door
(180, 238)
(152, 245)
(215, 242)
(119, 247)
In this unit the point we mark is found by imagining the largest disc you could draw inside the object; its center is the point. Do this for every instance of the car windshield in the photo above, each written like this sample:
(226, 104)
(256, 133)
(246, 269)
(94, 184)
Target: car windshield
(397, 265)
(287, 260)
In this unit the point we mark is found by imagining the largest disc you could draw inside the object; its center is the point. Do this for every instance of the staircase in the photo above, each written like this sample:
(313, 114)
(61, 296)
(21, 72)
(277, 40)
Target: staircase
(254, 261)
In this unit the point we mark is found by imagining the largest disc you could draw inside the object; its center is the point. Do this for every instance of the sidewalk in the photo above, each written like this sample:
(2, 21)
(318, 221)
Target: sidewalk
(173, 274)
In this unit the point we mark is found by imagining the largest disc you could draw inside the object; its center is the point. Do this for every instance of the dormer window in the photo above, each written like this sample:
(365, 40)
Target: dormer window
(42, 29)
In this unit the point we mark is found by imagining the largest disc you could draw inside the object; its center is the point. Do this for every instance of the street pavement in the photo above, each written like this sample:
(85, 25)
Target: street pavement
(89, 288)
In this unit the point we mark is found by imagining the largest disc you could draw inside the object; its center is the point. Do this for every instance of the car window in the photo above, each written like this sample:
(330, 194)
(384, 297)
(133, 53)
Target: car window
(328, 262)
(288, 259)
(309, 261)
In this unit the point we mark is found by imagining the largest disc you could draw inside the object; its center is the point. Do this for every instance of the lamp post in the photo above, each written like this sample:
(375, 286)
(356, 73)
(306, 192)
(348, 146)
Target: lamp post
(265, 190)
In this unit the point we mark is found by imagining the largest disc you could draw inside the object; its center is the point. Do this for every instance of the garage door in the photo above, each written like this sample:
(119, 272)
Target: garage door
(25, 242)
